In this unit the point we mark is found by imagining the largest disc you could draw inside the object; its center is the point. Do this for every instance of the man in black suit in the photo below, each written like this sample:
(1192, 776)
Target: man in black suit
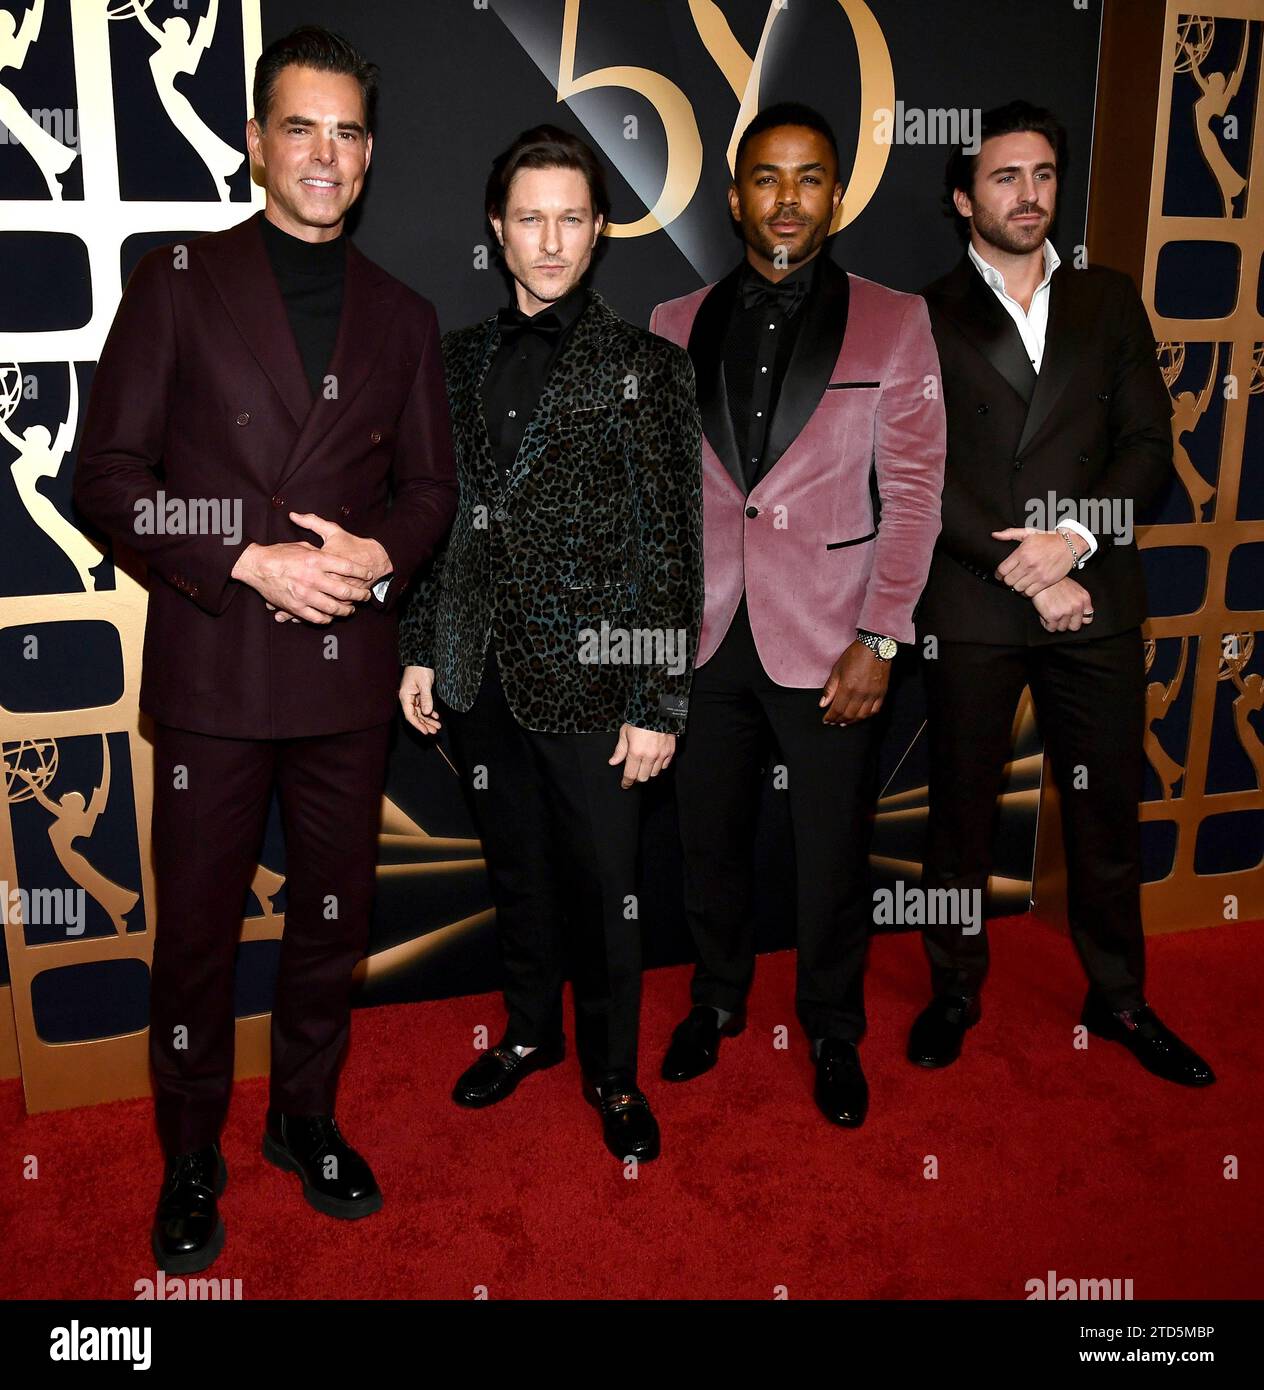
(559, 624)
(1058, 431)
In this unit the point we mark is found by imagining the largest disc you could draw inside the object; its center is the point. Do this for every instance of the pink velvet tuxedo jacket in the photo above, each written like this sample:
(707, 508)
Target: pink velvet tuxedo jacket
(837, 532)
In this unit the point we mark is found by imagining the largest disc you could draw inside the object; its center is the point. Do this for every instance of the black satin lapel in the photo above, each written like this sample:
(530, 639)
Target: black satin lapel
(985, 323)
(1059, 360)
(706, 350)
(366, 305)
(242, 275)
(811, 362)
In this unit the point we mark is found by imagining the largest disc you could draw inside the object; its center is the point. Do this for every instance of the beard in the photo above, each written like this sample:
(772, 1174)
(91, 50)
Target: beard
(1005, 235)
(763, 240)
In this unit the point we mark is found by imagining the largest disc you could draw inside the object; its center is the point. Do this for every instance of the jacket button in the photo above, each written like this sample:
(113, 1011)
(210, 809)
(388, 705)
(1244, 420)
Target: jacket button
(278, 501)
(375, 437)
(752, 511)
(1018, 463)
(1083, 458)
(1103, 395)
(244, 418)
(345, 510)
(982, 409)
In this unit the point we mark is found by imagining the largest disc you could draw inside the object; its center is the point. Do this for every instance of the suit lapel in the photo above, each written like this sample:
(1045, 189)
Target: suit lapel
(983, 320)
(811, 362)
(243, 278)
(1058, 363)
(473, 419)
(366, 299)
(706, 350)
(582, 359)
(242, 275)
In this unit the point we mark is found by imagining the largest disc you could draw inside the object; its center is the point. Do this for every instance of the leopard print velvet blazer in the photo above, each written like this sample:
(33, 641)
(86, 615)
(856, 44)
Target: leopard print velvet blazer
(597, 532)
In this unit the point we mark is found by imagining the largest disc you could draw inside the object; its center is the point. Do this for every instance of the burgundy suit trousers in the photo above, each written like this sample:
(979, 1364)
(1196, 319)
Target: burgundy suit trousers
(211, 801)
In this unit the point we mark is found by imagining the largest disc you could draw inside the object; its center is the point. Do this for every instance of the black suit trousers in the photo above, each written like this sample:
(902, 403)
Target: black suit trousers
(1089, 698)
(560, 837)
(737, 714)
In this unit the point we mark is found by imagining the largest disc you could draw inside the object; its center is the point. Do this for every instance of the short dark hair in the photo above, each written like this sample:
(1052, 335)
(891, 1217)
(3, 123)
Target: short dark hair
(785, 113)
(314, 47)
(1011, 119)
(546, 147)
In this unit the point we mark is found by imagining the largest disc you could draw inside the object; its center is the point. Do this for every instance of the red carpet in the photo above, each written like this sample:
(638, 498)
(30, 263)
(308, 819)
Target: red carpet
(1048, 1158)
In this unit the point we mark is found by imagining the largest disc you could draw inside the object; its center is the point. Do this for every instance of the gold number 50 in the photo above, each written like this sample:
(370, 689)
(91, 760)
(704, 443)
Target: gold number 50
(684, 144)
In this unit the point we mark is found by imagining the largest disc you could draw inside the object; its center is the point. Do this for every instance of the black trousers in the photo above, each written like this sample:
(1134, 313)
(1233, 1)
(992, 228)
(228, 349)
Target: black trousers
(560, 837)
(1090, 704)
(736, 716)
(211, 800)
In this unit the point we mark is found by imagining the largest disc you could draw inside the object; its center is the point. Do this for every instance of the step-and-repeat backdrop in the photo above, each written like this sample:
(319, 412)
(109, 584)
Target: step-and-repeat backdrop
(121, 128)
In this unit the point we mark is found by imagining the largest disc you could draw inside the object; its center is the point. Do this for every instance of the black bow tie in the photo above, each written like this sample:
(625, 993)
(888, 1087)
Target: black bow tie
(786, 295)
(514, 323)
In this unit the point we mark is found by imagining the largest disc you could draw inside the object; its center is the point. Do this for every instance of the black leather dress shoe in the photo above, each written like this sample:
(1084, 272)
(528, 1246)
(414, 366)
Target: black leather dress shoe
(188, 1233)
(628, 1126)
(336, 1180)
(936, 1037)
(842, 1093)
(498, 1071)
(695, 1044)
(1153, 1044)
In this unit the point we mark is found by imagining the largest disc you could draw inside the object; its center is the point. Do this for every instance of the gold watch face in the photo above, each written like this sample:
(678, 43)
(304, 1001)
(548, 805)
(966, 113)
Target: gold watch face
(887, 648)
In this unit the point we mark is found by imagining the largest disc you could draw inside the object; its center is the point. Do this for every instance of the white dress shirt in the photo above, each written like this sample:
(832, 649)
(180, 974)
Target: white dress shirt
(1032, 325)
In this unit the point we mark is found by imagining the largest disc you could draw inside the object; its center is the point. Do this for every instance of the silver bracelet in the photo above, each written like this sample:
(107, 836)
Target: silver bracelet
(1076, 562)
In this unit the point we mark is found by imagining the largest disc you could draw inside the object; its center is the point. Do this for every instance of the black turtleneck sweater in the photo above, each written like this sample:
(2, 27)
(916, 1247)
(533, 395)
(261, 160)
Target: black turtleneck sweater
(310, 275)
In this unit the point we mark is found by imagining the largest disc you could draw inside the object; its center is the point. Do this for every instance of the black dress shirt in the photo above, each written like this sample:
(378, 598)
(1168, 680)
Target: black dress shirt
(311, 275)
(761, 333)
(529, 346)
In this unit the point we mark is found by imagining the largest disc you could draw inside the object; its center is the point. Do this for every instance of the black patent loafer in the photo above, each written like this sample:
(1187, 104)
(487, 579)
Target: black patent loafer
(695, 1045)
(936, 1037)
(1149, 1040)
(628, 1125)
(842, 1093)
(498, 1071)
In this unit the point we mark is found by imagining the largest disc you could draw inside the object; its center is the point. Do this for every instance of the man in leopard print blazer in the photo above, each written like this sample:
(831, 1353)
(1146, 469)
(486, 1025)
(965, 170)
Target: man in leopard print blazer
(558, 626)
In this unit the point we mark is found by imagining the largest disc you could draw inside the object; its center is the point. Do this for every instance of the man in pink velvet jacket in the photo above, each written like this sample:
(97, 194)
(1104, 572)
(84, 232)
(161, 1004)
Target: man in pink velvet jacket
(823, 463)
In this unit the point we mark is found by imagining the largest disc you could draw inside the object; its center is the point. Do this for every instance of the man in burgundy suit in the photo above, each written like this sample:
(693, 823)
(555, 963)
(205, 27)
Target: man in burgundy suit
(823, 462)
(281, 397)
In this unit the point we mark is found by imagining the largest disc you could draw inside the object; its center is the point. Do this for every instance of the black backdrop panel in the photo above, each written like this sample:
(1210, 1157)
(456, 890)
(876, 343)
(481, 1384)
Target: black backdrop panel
(459, 81)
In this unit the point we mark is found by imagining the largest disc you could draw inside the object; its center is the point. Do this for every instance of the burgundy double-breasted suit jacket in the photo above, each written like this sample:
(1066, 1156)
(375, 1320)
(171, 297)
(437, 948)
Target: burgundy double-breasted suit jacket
(200, 396)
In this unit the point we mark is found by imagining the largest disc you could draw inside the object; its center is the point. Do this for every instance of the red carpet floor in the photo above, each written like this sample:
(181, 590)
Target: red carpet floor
(1048, 1158)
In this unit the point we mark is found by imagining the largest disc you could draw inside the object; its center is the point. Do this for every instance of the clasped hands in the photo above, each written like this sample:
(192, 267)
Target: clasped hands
(1039, 569)
(302, 582)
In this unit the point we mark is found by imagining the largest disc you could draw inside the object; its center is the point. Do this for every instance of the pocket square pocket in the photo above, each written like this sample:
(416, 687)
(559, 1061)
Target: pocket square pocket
(853, 385)
(842, 545)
